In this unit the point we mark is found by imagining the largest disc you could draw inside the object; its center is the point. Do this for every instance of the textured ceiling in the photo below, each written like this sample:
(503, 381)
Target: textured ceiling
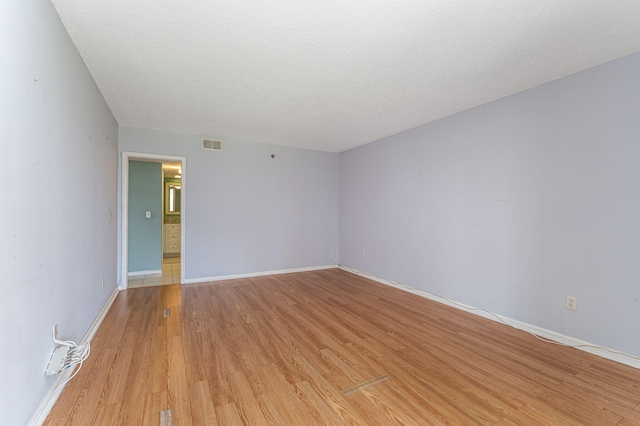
(331, 75)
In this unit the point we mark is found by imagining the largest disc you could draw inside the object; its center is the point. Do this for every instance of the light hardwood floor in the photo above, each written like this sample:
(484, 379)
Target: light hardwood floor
(300, 349)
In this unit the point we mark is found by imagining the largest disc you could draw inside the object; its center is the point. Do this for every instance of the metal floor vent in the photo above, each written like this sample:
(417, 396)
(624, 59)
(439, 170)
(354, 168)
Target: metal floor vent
(166, 418)
(211, 145)
(166, 312)
(358, 387)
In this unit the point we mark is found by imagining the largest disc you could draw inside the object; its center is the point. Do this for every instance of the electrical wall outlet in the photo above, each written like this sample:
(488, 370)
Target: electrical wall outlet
(286, 252)
(102, 282)
(571, 303)
(362, 255)
(55, 331)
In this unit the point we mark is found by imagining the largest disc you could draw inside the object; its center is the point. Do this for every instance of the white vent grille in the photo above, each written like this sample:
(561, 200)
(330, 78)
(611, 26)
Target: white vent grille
(211, 145)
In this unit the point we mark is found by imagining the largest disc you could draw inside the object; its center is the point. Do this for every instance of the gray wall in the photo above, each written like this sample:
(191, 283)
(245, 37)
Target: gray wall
(59, 143)
(513, 205)
(145, 235)
(243, 208)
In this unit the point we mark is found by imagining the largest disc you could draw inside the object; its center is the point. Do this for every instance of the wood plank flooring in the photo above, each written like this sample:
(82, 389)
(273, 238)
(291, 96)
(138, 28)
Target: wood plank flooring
(330, 347)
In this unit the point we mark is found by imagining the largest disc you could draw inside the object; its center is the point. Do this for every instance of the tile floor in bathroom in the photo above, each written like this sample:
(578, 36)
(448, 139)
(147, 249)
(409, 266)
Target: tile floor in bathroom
(170, 275)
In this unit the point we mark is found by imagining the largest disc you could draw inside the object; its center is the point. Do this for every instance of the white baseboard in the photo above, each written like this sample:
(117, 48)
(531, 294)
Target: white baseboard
(150, 272)
(49, 400)
(539, 331)
(255, 274)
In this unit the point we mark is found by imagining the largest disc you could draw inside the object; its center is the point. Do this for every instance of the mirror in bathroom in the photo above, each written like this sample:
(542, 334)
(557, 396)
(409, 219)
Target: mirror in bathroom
(172, 198)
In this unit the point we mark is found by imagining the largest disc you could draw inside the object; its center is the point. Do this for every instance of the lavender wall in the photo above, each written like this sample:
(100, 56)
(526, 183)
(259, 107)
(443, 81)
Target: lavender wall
(59, 146)
(512, 206)
(245, 208)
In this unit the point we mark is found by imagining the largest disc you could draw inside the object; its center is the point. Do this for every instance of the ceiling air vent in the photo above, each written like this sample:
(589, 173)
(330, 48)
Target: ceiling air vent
(211, 145)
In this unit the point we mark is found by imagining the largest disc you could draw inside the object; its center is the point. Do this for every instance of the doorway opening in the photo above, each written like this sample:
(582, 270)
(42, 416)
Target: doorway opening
(163, 216)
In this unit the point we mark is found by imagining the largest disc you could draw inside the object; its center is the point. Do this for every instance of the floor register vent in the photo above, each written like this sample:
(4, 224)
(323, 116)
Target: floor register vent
(211, 145)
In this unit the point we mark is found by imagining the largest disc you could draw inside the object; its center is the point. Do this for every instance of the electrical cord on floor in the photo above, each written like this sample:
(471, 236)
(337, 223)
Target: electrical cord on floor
(77, 356)
(496, 316)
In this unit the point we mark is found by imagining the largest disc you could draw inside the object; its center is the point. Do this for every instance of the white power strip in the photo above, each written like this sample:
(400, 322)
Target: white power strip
(66, 355)
(58, 360)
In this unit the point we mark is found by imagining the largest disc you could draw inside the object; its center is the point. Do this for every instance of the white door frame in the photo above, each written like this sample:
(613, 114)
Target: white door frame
(124, 240)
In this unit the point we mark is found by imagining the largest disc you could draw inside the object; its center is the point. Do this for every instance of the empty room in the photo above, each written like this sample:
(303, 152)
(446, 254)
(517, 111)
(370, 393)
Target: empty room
(300, 213)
